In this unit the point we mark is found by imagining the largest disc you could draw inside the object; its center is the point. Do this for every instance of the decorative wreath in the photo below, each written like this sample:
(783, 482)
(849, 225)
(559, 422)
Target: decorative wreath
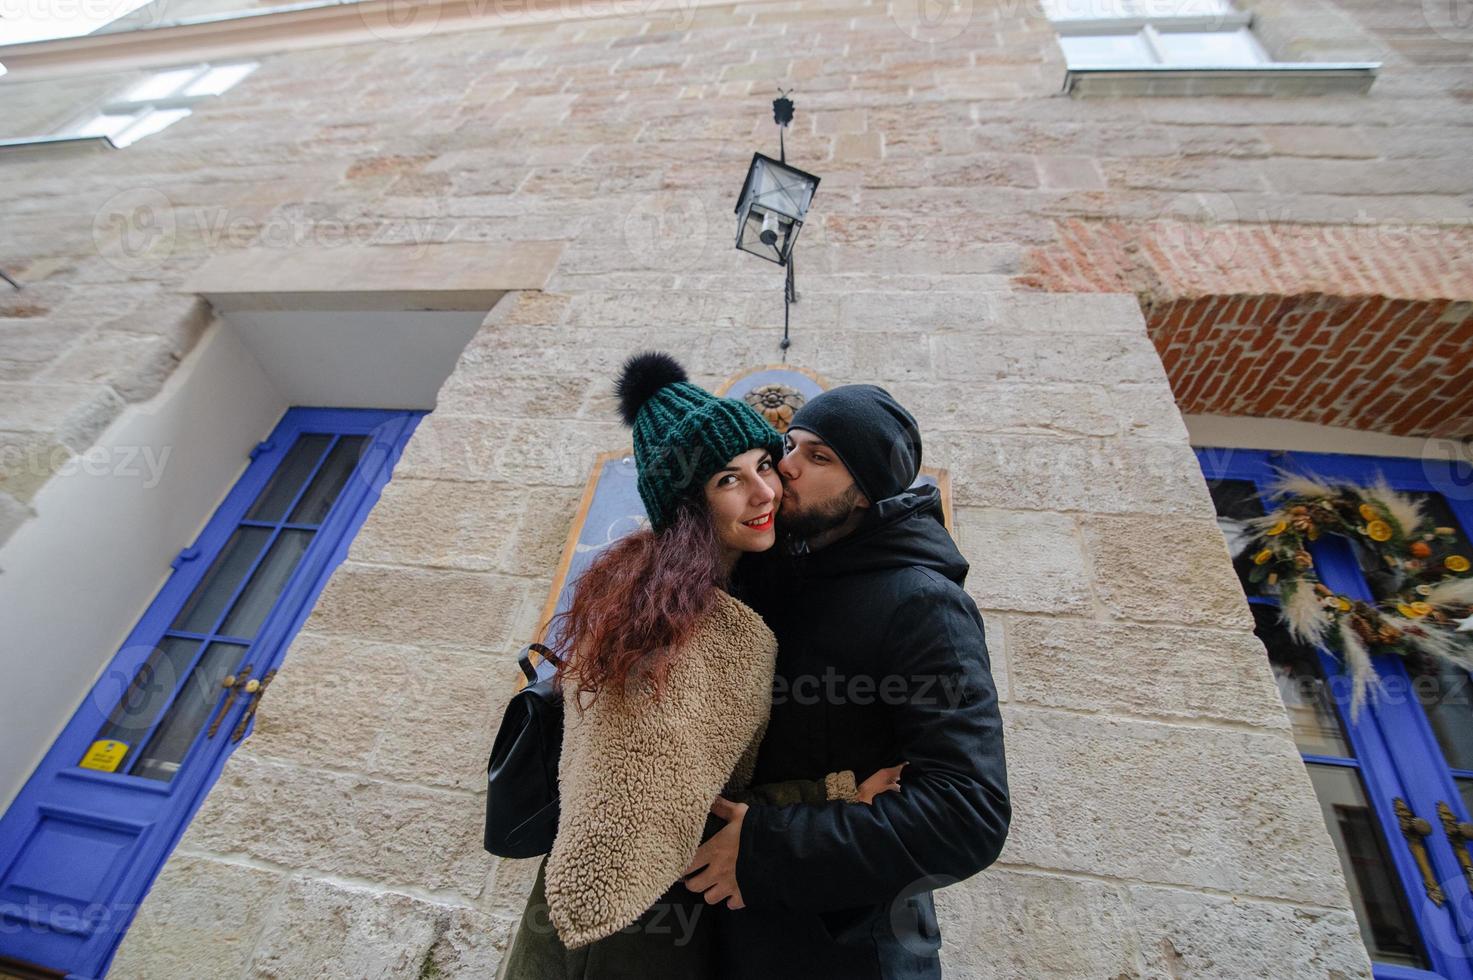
(1428, 606)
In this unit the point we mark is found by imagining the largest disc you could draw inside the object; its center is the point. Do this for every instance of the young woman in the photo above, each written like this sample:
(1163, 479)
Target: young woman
(667, 682)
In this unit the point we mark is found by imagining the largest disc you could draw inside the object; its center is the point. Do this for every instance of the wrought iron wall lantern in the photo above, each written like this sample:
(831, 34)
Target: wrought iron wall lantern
(772, 206)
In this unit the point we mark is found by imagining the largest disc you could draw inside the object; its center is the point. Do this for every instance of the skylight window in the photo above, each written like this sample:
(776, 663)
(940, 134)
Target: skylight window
(159, 101)
(1181, 47)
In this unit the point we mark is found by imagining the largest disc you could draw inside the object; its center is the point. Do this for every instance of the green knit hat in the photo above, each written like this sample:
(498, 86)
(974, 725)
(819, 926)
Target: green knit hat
(682, 433)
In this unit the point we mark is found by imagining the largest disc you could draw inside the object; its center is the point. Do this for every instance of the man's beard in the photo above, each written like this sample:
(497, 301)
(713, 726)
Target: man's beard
(815, 520)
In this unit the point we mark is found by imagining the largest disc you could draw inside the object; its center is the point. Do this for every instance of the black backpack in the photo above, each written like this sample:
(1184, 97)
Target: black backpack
(521, 776)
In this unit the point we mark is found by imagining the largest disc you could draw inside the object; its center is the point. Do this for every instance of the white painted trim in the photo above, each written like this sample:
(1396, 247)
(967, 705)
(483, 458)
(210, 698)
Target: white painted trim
(1271, 68)
(1274, 78)
(46, 142)
(1242, 432)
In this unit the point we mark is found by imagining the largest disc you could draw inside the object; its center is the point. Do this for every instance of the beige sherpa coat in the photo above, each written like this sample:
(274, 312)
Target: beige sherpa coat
(637, 778)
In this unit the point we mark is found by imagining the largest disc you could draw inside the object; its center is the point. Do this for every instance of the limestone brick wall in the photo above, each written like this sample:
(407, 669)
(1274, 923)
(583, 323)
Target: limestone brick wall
(1164, 822)
(1164, 825)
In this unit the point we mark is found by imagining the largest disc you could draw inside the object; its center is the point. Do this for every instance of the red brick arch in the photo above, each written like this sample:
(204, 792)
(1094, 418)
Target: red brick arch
(1363, 327)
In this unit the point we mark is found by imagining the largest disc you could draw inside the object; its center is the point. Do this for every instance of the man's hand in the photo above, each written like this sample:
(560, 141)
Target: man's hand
(718, 856)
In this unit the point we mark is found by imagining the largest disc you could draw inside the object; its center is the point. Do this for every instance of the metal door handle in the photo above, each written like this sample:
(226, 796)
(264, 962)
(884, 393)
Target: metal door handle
(1414, 829)
(234, 682)
(1458, 835)
(257, 691)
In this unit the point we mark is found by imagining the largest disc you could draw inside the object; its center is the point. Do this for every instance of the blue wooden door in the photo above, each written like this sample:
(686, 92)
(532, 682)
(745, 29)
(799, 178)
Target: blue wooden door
(1396, 785)
(92, 827)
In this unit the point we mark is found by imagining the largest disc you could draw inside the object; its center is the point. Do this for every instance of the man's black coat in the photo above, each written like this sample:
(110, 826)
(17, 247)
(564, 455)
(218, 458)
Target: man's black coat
(881, 659)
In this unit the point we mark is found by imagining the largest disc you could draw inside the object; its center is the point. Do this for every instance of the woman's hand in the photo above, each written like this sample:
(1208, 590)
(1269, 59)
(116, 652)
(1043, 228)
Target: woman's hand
(882, 781)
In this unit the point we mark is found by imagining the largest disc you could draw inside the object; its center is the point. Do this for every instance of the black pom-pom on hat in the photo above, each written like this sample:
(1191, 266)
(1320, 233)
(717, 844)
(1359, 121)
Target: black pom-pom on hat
(641, 377)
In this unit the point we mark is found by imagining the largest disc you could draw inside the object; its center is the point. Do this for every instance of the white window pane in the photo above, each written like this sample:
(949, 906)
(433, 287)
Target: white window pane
(151, 122)
(1209, 48)
(1106, 50)
(162, 84)
(105, 125)
(217, 80)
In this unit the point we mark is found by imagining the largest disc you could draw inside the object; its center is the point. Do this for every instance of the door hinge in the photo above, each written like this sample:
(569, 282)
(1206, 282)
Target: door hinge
(187, 554)
(264, 446)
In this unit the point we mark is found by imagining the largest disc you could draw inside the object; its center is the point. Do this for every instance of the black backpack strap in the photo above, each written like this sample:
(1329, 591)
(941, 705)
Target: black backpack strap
(524, 659)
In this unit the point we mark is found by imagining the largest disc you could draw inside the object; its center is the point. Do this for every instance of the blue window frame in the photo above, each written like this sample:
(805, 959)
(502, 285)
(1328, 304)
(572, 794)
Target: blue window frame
(1402, 762)
(93, 826)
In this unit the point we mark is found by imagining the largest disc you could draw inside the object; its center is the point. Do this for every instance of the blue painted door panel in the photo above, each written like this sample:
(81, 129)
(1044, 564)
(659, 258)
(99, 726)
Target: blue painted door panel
(89, 832)
(1392, 748)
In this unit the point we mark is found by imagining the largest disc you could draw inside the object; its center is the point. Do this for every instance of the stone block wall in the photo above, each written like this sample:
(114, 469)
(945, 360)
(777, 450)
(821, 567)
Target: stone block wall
(1164, 825)
(1162, 811)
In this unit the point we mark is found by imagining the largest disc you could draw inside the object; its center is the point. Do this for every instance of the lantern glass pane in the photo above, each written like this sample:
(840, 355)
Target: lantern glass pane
(780, 189)
(751, 234)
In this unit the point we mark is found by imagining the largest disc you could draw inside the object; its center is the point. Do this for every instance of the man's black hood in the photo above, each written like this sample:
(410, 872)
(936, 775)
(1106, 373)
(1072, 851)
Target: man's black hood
(905, 530)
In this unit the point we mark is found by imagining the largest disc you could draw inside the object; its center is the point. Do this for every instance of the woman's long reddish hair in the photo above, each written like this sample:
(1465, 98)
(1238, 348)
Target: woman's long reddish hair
(638, 602)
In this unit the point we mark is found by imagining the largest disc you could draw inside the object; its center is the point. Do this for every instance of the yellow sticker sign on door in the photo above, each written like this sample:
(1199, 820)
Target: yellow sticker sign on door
(105, 754)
